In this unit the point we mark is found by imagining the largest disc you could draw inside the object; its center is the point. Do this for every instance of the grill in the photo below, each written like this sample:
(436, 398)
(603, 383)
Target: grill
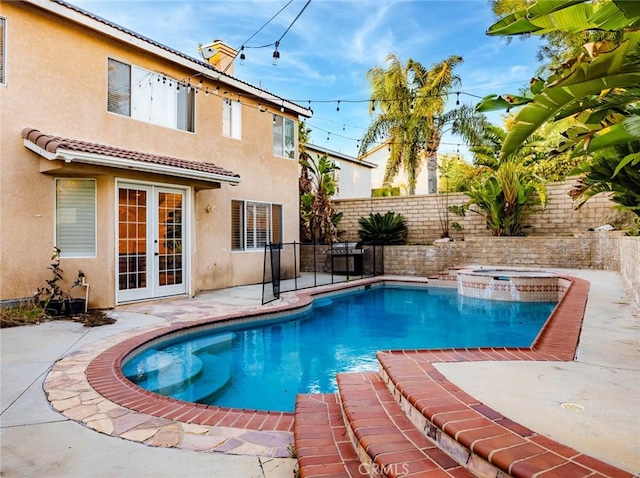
(346, 258)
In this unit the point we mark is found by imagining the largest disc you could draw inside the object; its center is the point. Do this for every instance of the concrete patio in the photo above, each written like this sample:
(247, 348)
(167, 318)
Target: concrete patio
(604, 380)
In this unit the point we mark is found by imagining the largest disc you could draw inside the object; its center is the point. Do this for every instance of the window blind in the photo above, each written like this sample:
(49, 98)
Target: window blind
(76, 217)
(237, 225)
(119, 88)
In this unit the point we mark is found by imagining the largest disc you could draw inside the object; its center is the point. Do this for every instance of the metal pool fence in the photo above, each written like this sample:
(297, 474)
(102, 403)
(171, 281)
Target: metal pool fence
(292, 266)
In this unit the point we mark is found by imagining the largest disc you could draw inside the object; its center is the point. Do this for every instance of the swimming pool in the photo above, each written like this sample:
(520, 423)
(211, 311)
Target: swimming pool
(264, 365)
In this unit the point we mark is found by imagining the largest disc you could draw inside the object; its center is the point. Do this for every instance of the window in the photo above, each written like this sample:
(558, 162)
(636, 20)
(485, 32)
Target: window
(3, 43)
(283, 137)
(147, 96)
(336, 177)
(232, 119)
(255, 224)
(76, 217)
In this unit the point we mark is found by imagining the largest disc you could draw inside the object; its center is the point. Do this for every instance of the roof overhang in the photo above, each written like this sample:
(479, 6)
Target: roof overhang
(54, 150)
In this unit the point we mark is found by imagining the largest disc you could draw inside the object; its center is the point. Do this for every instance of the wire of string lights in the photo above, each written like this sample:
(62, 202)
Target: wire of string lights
(276, 54)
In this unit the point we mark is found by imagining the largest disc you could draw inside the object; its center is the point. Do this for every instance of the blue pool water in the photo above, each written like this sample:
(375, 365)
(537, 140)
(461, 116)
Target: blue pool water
(265, 365)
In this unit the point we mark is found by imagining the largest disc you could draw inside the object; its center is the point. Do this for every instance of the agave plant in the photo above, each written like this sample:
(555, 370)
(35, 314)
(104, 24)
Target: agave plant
(378, 229)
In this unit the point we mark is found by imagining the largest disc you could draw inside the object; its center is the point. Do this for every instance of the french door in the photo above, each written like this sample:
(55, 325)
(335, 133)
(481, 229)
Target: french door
(152, 248)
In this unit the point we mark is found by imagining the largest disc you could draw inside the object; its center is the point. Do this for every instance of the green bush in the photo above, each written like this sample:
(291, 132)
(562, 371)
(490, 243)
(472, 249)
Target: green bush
(378, 229)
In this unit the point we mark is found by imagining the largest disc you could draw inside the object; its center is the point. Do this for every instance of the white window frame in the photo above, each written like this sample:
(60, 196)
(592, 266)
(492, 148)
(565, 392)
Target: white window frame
(284, 145)
(250, 233)
(61, 217)
(231, 119)
(154, 98)
(3, 52)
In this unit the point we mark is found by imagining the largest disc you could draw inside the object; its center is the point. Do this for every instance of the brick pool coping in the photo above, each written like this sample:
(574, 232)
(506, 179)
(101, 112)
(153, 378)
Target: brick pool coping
(89, 387)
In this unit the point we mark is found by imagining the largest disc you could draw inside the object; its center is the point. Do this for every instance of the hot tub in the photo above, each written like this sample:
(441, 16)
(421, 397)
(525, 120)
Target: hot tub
(526, 285)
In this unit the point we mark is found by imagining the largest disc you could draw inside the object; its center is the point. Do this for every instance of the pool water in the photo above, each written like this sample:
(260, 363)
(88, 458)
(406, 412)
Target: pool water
(265, 365)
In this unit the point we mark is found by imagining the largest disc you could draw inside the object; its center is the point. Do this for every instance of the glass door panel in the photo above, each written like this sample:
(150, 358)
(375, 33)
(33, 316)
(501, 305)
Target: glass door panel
(170, 242)
(133, 248)
(151, 255)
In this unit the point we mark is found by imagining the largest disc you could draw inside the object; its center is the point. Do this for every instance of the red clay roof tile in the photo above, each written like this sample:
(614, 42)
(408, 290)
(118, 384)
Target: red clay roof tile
(54, 143)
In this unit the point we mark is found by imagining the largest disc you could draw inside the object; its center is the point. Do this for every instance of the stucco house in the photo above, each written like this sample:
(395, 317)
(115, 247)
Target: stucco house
(379, 155)
(353, 176)
(155, 173)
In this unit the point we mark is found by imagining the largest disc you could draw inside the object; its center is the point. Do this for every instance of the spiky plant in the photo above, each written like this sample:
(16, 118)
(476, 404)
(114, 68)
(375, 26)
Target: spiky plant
(390, 228)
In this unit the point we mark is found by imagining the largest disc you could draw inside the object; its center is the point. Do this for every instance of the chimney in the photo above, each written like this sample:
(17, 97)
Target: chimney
(219, 54)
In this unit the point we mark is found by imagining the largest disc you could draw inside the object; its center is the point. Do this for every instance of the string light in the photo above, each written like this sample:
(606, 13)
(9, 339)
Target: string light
(276, 55)
(338, 106)
(458, 98)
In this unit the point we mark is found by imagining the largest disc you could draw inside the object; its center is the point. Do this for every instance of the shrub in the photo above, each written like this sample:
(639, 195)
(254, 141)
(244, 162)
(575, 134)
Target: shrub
(378, 229)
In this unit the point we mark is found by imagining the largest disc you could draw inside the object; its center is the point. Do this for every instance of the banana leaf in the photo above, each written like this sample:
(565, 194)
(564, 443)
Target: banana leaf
(609, 70)
(570, 16)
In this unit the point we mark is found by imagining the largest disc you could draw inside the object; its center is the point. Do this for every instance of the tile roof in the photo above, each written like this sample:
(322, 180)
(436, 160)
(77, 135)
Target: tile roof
(53, 144)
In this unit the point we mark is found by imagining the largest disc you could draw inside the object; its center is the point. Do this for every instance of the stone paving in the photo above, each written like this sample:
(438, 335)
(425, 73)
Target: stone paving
(70, 393)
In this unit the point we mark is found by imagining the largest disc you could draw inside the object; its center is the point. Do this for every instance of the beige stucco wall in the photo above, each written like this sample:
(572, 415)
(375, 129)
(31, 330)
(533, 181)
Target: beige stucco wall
(59, 87)
(425, 212)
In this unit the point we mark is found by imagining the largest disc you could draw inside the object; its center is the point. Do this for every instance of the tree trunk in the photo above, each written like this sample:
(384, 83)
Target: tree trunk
(432, 173)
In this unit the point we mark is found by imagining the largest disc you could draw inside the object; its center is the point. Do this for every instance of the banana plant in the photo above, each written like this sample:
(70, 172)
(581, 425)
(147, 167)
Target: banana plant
(571, 16)
(599, 90)
(316, 211)
(590, 83)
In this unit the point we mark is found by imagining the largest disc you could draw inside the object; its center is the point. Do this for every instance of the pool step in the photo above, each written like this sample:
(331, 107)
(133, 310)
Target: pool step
(193, 375)
(386, 441)
(409, 420)
(323, 447)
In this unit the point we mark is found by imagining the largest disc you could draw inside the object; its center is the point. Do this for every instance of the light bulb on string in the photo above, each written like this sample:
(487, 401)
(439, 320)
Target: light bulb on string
(276, 55)
(242, 55)
(338, 106)
(458, 98)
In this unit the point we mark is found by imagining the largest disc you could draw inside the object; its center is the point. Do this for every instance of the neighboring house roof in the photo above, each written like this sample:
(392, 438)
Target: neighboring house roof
(341, 156)
(375, 150)
(89, 20)
(72, 150)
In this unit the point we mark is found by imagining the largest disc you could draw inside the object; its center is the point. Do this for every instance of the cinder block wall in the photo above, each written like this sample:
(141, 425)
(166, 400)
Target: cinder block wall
(592, 250)
(425, 215)
(630, 265)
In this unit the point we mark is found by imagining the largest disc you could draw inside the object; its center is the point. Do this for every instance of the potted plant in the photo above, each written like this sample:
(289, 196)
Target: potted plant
(76, 305)
(52, 297)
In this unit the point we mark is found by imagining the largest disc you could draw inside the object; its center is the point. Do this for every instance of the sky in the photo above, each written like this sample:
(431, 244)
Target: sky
(326, 51)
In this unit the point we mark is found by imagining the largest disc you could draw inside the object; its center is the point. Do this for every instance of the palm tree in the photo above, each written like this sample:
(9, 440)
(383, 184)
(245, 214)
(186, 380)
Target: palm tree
(410, 101)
